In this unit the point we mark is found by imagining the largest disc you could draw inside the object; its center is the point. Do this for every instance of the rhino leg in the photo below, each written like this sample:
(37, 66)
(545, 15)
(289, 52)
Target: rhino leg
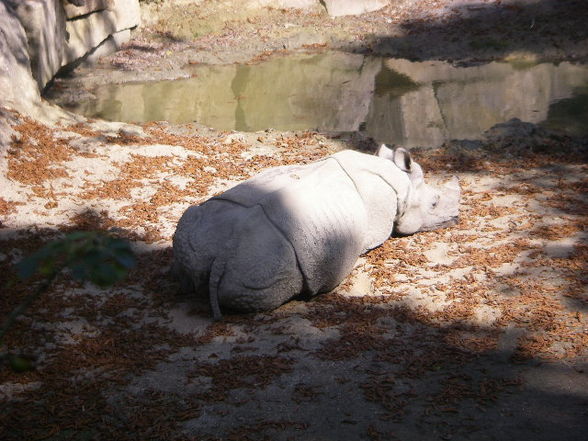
(184, 281)
(216, 273)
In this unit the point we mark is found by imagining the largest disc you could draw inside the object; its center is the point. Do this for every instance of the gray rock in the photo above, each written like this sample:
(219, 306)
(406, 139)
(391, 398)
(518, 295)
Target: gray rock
(17, 87)
(108, 46)
(53, 42)
(513, 128)
(78, 8)
(44, 24)
(337, 8)
(75, 2)
(86, 34)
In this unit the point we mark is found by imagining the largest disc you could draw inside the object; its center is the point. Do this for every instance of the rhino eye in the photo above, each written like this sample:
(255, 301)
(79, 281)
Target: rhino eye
(435, 202)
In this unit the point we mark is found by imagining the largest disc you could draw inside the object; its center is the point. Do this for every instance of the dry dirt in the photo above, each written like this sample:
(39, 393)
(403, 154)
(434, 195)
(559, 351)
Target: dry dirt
(477, 332)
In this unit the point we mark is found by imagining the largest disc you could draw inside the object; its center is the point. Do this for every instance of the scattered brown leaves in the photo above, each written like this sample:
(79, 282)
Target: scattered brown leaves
(35, 155)
(7, 207)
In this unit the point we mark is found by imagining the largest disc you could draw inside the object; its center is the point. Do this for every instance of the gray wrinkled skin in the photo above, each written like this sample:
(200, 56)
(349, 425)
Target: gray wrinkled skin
(298, 230)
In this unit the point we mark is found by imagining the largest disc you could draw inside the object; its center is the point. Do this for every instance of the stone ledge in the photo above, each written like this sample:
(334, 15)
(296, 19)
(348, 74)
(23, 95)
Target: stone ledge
(87, 7)
(87, 34)
(108, 46)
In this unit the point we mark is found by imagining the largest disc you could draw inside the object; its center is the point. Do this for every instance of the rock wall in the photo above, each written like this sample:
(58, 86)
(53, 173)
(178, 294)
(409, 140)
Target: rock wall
(17, 86)
(40, 37)
(436, 101)
(105, 23)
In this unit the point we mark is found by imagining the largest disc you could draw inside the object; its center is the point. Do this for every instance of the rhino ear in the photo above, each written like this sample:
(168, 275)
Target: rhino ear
(385, 152)
(399, 156)
(402, 159)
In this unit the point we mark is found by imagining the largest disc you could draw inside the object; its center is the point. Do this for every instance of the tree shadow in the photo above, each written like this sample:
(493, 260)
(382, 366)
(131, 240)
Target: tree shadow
(337, 367)
(398, 369)
(437, 381)
(484, 31)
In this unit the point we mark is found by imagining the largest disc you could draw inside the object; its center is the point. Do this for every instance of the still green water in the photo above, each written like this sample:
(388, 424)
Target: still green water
(397, 101)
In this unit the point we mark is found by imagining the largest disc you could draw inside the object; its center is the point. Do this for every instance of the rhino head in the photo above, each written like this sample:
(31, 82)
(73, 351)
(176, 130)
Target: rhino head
(426, 208)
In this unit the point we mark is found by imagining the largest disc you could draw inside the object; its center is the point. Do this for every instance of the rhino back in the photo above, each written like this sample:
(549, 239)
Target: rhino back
(323, 217)
(317, 218)
(383, 188)
(253, 190)
(330, 211)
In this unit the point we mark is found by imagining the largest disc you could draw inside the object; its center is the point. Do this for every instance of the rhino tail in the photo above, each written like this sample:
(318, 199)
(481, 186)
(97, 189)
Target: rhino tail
(216, 273)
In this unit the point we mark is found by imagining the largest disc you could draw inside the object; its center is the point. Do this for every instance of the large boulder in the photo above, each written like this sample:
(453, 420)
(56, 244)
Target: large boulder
(79, 8)
(44, 24)
(84, 35)
(60, 33)
(18, 89)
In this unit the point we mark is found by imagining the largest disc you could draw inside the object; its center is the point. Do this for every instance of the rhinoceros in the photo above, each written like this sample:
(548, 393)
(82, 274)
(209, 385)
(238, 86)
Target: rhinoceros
(298, 230)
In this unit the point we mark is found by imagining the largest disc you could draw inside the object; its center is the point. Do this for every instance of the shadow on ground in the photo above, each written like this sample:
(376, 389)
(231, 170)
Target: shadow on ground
(487, 343)
(486, 31)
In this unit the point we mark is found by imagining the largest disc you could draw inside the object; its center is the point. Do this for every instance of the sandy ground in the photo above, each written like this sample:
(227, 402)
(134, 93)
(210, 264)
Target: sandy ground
(477, 332)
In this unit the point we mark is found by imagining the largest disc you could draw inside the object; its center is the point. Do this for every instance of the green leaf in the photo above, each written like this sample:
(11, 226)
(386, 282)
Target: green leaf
(27, 267)
(92, 256)
(20, 364)
(126, 259)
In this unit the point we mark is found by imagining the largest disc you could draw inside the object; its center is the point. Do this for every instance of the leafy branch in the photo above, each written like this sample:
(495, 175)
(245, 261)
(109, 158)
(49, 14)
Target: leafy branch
(88, 256)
